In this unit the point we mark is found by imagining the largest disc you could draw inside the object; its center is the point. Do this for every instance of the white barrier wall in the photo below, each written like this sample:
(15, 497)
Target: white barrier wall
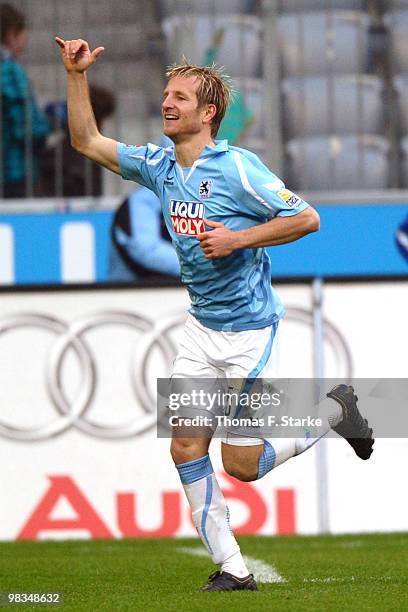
(79, 453)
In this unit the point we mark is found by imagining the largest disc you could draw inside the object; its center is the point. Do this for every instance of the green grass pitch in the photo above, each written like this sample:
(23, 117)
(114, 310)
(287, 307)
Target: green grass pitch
(347, 573)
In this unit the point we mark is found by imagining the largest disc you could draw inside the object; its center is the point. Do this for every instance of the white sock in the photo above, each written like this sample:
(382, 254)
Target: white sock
(331, 414)
(278, 450)
(235, 565)
(211, 515)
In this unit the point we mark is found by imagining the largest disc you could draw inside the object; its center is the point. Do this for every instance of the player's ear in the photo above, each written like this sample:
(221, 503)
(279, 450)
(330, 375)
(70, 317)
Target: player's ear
(210, 112)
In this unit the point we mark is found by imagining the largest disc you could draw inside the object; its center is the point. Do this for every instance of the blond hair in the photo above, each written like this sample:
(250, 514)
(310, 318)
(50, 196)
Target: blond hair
(215, 88)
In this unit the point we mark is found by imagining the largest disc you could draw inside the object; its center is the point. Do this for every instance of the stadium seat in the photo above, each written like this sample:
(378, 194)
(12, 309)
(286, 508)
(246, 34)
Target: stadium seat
(120, 41)
(404, 173)
(397, 22)
(320, 5)
(401, 87)
(317, 42)
(348, 162)
(132, 103)
(49, 81)
(397, 4)
(209, 7)
(81, 13)
(192, 37)
(342, 104)
(257, 146)
(132, 74)
(45, 14)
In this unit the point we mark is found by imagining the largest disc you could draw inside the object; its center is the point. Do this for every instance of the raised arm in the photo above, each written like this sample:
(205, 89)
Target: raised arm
(85, 136)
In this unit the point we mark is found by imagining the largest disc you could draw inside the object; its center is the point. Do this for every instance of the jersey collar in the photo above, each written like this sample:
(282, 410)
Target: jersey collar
(220, 147)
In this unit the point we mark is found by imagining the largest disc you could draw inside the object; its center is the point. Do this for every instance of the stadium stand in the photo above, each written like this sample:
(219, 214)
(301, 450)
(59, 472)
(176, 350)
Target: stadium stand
(347, 104)
(320, 5)
(336, 78)
(397, 22)
(333, 96)
(191, 35)
(336, 163)
(400, 83)
(132, 39)
(404, 162)
(314, 43)
(205, 7)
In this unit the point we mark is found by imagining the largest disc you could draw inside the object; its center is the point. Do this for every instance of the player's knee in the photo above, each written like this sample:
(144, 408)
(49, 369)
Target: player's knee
(184, 450)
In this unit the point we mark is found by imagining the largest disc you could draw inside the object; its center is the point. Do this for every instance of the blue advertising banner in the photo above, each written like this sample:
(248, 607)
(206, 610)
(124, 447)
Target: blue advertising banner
(53, 248)
(352, 241)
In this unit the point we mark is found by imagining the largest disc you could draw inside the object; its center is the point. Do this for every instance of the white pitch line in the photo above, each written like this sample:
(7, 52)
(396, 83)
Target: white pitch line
(263, 572)
(329, 579)
(347, 579)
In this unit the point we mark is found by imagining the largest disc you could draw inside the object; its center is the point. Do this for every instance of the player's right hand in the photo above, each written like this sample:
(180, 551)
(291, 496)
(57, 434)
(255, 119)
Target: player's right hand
(76, 54)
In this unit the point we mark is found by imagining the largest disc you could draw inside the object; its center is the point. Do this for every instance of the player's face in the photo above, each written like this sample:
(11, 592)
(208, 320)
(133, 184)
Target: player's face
(181, 116)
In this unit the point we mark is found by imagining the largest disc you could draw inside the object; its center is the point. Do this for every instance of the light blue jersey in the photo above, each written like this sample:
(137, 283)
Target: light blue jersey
(225, 184)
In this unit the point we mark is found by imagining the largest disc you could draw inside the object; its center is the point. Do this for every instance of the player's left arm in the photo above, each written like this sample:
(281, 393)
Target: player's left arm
(221, 241)
(280, 230)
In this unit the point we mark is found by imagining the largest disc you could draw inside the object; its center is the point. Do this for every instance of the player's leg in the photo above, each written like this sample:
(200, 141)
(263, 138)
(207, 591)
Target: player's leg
(189, 450)
(249, 457)
(208, 506)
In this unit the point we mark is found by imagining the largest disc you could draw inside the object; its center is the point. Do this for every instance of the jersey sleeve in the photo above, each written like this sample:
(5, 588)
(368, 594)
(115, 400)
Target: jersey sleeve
(141, 164)
(261, 191)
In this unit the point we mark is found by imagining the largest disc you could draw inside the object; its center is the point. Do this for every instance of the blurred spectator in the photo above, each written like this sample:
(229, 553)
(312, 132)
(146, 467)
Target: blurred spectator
(141, 248)
(24, 127)
(238, 116)
(402, 238)
(78, 175)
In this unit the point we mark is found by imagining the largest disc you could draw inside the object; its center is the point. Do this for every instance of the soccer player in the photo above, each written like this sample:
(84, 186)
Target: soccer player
(234, 310)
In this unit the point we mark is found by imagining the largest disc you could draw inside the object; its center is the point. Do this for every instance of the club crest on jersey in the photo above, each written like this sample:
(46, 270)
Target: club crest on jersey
(288, 197)
(205, 188)
(187, 217)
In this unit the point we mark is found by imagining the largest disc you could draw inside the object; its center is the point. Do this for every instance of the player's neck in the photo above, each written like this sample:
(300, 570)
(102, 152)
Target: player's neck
(188, 152)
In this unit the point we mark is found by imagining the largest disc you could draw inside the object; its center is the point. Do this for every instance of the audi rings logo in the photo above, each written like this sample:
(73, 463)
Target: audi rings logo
(72, 412)
(73, 407)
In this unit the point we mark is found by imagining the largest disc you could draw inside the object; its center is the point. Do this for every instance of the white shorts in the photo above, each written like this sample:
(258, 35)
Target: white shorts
(208, 353)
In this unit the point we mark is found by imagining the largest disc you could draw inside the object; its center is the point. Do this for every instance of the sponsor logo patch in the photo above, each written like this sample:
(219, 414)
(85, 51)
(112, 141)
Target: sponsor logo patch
(187, 217)
(205, 188)
(289, 198)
